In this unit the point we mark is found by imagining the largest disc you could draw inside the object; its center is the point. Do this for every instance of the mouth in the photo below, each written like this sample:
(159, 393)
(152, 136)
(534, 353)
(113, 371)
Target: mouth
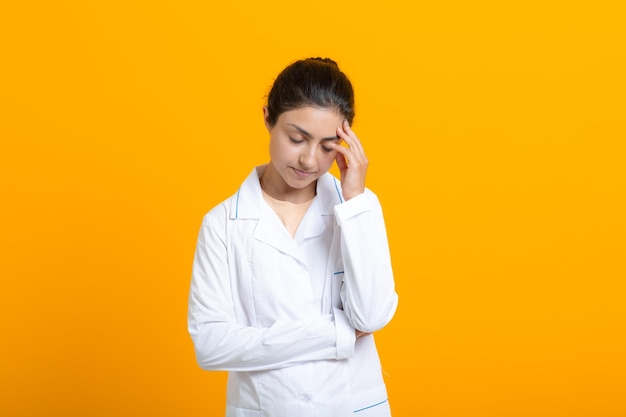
(302, 174)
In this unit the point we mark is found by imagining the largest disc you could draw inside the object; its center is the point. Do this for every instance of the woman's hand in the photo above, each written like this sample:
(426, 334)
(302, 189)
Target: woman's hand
(351, 161)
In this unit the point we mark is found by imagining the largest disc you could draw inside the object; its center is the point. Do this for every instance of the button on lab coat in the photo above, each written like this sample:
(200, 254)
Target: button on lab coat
(280, 312)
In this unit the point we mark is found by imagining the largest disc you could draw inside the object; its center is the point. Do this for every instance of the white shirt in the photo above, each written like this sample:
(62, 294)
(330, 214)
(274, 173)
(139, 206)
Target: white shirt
(280, 313)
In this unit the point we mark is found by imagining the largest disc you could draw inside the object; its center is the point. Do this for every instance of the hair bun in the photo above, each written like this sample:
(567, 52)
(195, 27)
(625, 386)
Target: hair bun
(325, 60)
(313, 81)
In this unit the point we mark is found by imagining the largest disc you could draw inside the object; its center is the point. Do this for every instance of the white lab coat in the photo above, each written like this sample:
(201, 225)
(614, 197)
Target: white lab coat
(280, 313)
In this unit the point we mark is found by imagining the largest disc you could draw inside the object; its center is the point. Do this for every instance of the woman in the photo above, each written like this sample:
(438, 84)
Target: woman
(292, 274)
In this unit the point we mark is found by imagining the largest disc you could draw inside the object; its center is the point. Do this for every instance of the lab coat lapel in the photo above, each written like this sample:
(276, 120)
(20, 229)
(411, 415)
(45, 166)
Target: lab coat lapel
(316, 219)
(312, 224)
(271, 231)
(248, 204)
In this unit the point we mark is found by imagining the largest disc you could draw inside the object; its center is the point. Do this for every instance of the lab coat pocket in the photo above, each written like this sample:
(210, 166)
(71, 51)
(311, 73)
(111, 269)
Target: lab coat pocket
(241, 412)
(372, 402)
(376, 410)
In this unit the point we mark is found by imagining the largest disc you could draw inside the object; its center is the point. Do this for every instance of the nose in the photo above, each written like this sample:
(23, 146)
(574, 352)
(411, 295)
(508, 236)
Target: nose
(307, 157)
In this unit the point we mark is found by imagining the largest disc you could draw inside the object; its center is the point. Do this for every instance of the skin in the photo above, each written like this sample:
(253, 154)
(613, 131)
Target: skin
(304, 143)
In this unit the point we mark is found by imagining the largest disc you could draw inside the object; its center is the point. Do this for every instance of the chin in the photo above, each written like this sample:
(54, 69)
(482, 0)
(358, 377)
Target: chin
(299, 184)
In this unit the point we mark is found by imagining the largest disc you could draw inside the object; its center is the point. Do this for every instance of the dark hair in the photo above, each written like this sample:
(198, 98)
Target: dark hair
(314, 82)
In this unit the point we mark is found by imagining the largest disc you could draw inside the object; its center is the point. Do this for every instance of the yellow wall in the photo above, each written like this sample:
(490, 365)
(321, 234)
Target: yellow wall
(496, 137)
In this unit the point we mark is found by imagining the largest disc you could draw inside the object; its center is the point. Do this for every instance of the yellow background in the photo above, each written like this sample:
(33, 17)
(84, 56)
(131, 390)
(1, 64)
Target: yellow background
(496, 137)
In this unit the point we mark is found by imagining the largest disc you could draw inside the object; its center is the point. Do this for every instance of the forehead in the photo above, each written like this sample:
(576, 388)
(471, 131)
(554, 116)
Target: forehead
(317, 121)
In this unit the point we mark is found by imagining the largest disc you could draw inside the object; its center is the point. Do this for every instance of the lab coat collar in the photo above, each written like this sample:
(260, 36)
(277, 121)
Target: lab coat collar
(248, 203)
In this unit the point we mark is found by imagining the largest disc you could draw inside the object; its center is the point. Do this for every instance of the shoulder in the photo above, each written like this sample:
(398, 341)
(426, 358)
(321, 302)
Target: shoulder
(222, 210)
(215, 221)
(243, 203)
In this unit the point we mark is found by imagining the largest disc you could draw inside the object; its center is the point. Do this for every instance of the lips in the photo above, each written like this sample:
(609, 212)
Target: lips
(302, 174)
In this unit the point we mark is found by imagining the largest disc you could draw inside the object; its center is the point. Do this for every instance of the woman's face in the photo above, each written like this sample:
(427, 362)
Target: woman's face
(298, 144)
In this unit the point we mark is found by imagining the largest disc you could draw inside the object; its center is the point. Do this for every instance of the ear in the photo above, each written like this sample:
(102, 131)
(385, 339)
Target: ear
(266, 115)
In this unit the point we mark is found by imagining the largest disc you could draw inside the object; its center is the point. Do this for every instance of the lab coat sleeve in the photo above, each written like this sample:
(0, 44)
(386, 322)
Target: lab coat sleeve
(222, 343)
(368, 293)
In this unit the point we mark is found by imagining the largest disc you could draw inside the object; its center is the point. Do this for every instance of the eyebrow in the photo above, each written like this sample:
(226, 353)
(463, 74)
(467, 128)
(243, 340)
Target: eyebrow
(310, 136)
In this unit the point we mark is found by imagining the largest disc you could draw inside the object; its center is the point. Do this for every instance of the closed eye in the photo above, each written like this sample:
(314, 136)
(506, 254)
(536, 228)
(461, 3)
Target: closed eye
(295, 140)
(333, 141)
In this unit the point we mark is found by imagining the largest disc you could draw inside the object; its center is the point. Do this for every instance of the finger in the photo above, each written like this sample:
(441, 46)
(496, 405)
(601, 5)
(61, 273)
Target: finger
(345, 126)
(341, 150)
(354, 151)
(342, 163)
(349, 158)
(347, 134)
(351, 143)
(348, 130)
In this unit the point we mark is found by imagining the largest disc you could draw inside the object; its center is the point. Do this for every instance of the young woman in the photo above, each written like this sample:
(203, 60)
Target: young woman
(292, 274)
